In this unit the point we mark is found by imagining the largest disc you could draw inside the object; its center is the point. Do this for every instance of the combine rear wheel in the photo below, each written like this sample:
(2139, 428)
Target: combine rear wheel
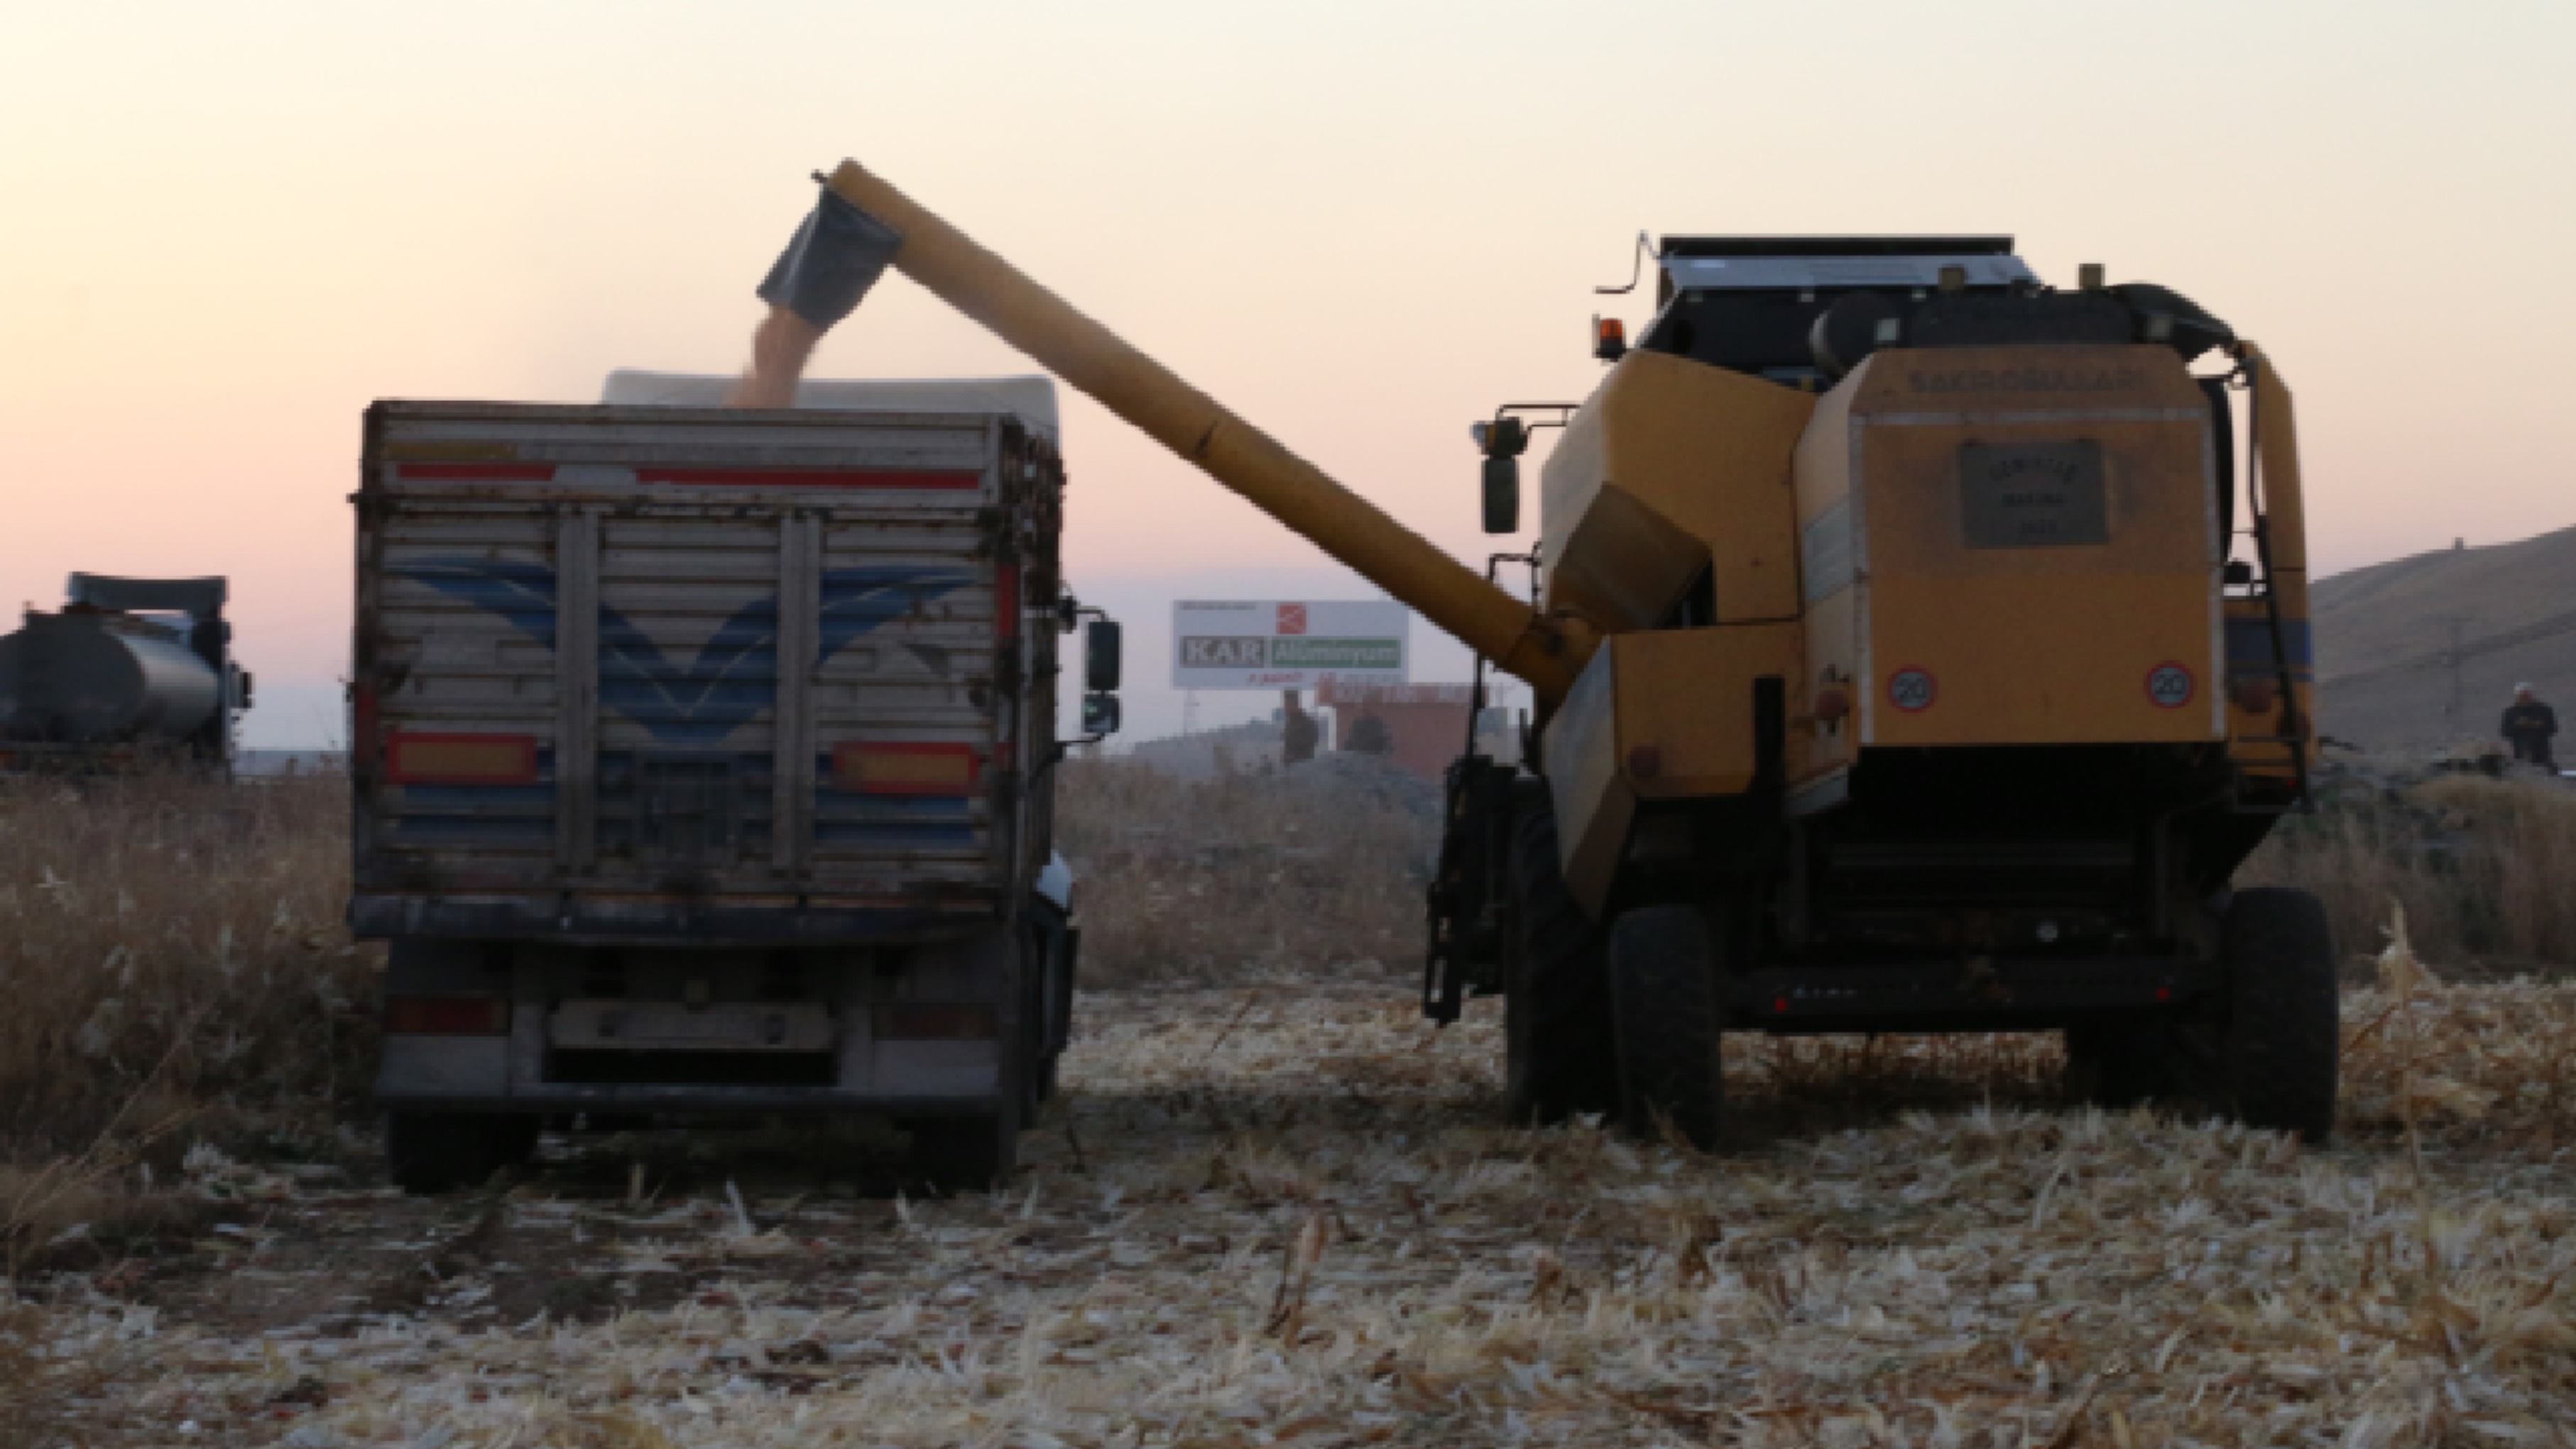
(1559, 1056)
(1663, 979)
(2279, 1060)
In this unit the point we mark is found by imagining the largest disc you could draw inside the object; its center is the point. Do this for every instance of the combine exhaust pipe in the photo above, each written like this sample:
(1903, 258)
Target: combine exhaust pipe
(1547, 652)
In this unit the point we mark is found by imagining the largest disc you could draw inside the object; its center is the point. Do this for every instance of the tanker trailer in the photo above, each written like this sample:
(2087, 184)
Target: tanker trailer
(1913, 653)
(128, 672)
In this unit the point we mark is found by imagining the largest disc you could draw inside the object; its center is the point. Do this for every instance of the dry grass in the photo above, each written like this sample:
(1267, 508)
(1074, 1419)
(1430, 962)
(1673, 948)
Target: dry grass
(2485, 869)
(1321, 868)
(174, 965)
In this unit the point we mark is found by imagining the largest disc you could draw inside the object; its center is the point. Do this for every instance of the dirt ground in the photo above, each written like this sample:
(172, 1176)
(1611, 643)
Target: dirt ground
(1290, 1215)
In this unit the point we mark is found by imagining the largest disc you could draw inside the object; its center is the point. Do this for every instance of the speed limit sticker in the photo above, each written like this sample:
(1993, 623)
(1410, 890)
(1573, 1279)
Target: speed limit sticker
(2170, 685)
(1912, 690)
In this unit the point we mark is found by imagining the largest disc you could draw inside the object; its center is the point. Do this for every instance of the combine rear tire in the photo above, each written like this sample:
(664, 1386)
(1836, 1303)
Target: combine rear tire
(1663, 978)
(1558, 1053)
(2279, 1059)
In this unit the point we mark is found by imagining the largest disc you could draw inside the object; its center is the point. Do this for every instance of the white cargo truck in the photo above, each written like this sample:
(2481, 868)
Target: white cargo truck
(702, 763)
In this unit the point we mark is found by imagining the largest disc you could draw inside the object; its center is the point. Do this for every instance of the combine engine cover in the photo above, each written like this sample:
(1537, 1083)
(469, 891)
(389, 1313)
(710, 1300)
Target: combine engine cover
(2013, 546)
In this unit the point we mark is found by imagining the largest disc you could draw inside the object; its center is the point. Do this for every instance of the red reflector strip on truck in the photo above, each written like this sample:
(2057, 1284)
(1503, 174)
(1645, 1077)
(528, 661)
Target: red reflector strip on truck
(923, 1021)
(448, 759)
(807, 478)
(475, 472)
(447, 1016)
(879, 768)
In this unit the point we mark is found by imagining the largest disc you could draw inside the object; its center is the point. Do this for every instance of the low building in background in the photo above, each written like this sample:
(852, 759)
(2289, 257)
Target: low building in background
(1419, 727)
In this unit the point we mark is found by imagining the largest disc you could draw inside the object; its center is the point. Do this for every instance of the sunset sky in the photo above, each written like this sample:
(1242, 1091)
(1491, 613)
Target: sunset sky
(225, 229)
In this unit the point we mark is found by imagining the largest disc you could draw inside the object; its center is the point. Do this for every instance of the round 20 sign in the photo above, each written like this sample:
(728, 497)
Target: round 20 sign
(2170, 685)
(1912, 690)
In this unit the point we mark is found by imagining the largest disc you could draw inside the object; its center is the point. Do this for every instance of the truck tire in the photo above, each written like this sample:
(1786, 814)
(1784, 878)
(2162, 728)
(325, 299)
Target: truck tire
(1664, 988)
(967, 1154)
(2281, 1053)
(433, 1152)
(514, 1138)
(1559, 1057)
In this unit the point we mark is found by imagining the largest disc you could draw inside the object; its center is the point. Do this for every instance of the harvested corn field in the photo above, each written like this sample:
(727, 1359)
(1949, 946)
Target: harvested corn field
(1291, 1216)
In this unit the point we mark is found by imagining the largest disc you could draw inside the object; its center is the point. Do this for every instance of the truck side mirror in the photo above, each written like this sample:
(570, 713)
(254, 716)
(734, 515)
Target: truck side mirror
(1100, 714)
(1100, 643)
(1502, 441)
(1502, 495)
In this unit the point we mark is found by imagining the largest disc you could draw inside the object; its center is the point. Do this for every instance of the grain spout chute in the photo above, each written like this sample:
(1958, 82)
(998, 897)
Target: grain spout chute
(863, 224)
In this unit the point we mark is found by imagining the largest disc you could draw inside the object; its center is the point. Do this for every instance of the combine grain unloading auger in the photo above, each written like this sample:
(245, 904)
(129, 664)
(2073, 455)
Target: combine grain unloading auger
(1897, 667)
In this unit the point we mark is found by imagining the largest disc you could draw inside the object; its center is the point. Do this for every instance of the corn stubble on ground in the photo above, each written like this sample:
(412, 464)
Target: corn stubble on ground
(1285, 1213)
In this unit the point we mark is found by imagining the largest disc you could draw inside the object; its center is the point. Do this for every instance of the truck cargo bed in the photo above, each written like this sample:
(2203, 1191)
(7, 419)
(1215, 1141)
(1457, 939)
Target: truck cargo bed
(659, 674)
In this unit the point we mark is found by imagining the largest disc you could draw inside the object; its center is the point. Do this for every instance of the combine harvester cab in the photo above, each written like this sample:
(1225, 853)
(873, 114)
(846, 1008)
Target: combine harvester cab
(1916, 649)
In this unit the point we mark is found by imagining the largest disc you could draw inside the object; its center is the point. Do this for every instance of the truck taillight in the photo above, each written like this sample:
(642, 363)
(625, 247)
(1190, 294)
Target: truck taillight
(413, 758)
(447, 1016)
(904, 768)
(925, 1021)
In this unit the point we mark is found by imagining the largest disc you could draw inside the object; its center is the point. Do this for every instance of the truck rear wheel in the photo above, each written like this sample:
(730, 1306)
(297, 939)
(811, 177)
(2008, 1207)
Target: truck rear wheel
(2280, 1058)
(1664, 983)
(967, 1154)
(432, 1152)
(514, 1138)
(1559, 1057)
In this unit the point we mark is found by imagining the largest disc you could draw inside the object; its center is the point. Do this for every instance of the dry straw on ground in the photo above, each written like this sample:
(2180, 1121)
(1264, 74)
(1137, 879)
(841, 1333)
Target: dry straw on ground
(1311, 1230)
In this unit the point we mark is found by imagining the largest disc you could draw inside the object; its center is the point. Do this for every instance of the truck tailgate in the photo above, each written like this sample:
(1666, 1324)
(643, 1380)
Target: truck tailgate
(644, 672)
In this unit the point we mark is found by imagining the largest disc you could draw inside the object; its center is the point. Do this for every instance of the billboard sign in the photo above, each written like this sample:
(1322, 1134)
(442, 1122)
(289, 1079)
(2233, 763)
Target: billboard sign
(1287, 644)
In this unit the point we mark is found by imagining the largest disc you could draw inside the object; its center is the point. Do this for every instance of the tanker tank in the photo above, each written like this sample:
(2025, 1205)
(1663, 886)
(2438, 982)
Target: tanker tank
(79, 679)
(127, 666)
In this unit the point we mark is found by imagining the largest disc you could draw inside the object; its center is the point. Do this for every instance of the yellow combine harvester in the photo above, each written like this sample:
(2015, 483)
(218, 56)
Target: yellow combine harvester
(1916, 647)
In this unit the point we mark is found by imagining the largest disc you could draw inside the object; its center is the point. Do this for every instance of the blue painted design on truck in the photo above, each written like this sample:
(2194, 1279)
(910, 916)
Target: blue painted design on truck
(735, 673)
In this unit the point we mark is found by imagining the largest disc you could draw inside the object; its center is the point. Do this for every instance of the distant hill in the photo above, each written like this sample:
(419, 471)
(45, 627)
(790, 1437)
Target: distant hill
(2384, 636)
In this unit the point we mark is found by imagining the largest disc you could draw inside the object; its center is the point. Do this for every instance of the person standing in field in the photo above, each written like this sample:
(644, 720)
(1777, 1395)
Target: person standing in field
(2528, 726)
(1298, 732)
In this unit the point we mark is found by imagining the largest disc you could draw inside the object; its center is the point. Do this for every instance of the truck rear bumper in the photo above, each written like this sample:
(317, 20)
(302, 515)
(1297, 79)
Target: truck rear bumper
(648, 920)
(500, 1074)
(623, 1097)
(483, 1026)
(1989, 994)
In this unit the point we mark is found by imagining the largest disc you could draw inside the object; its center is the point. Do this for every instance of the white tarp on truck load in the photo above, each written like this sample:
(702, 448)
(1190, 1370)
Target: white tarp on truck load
(1030, 399)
